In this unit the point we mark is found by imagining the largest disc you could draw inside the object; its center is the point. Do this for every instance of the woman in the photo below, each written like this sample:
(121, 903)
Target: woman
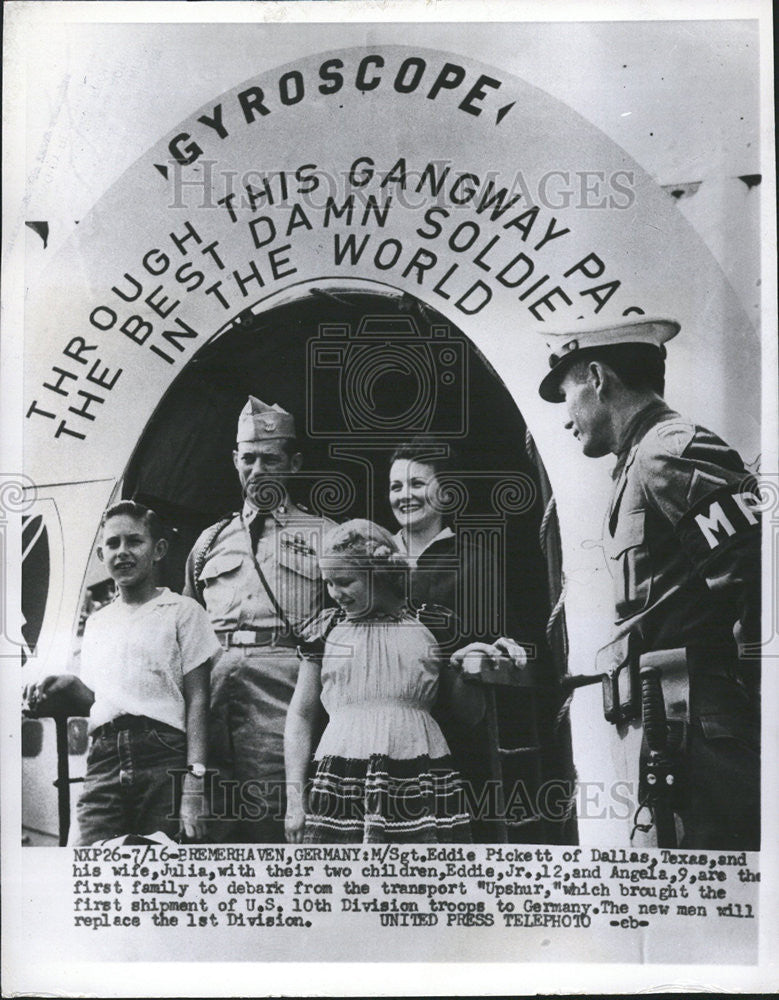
(451, 573)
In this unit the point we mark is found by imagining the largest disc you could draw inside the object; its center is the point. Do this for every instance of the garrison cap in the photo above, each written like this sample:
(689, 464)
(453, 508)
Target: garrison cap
(258, 421)
(567, 346)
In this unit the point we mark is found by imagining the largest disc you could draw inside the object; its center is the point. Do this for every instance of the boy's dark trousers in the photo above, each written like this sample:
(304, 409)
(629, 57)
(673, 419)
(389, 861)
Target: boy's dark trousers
(128, 786)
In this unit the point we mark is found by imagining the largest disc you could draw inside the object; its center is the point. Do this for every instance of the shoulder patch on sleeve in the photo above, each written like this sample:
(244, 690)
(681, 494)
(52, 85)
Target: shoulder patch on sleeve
(702, 485)
(674, 436)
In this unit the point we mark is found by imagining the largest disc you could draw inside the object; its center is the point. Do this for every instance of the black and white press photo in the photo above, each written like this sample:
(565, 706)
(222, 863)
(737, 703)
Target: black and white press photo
(388, 497)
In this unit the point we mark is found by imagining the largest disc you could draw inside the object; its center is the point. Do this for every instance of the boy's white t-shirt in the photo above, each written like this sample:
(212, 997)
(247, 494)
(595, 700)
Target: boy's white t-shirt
(134, 658)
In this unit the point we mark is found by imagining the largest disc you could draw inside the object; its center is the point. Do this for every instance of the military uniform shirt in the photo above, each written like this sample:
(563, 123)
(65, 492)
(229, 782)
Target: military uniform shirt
(682, 536)
(287, 554)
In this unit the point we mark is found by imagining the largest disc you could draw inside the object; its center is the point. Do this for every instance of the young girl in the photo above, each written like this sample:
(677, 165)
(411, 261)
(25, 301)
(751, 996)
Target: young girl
(383, 770)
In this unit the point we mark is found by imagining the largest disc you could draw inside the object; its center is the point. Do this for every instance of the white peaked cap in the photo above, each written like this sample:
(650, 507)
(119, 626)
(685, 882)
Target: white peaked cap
(566, 346)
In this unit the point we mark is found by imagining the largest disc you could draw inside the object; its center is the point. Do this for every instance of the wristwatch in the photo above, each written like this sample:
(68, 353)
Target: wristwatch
(197, 770)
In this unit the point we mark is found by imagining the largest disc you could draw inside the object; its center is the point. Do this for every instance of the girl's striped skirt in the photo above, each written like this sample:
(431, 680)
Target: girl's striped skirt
(384, 800)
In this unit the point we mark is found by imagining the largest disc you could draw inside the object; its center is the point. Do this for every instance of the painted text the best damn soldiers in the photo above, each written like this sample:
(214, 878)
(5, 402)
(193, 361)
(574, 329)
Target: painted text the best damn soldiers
(475, 232)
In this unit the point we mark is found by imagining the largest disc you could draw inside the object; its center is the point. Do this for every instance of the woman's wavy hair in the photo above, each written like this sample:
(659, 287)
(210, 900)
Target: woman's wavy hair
(439, 455)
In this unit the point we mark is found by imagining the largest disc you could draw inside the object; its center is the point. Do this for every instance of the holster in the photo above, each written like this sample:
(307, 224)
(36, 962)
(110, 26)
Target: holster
(673, 665)
(621, 662)
(618, 662)
(655, 688)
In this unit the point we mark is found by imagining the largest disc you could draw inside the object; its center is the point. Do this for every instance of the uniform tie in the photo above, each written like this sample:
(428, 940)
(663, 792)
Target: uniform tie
(256, 527)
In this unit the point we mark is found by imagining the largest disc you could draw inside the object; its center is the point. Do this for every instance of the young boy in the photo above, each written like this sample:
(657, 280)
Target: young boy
(145, 662)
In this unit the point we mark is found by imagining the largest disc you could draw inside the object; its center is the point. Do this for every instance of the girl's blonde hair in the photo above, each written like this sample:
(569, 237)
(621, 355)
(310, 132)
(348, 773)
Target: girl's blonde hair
(362, 544)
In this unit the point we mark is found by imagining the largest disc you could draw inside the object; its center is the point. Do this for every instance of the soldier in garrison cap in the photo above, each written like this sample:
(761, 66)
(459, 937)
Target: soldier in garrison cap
(682, 541)
(257, 575)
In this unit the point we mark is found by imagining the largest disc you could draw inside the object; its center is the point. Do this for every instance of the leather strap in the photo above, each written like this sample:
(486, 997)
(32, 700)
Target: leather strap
(271, 596)
(202, 554)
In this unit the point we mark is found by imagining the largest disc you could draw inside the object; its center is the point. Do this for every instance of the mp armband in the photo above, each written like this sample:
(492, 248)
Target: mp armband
(720, 521)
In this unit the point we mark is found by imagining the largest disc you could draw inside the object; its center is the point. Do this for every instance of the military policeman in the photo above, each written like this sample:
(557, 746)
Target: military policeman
(682, 540)
(257, 574)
